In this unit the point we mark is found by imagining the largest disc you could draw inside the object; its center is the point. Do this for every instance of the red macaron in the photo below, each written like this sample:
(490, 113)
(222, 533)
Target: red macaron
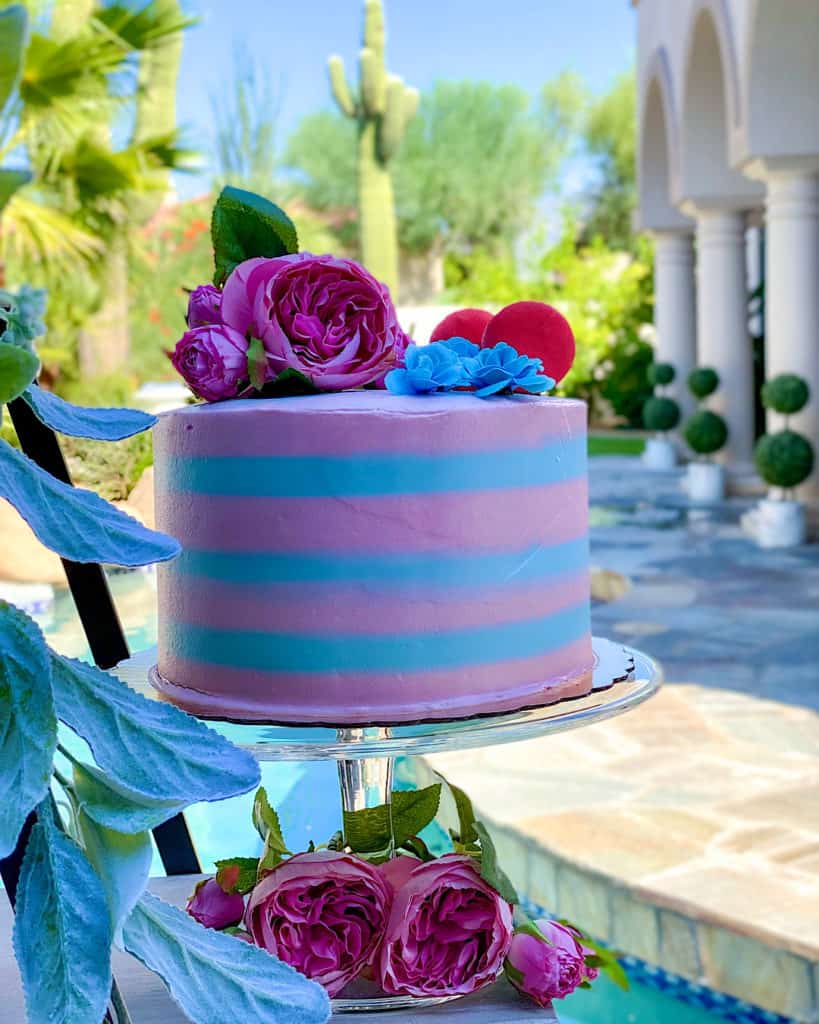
(464, 323)
(536, 330)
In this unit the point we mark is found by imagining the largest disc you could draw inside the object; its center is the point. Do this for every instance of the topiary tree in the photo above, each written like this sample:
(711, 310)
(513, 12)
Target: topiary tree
(786, 394)
(784, 459)
(661, 374)
(705, 432)
(661, 414)
(702, 382)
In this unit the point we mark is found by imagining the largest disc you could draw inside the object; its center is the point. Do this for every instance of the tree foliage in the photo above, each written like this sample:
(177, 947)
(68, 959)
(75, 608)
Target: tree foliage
(609, 139)
(470, 172)
(606, 296)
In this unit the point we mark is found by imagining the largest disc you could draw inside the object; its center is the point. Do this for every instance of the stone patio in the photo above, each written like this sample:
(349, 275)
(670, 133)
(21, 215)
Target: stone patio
(687, 832)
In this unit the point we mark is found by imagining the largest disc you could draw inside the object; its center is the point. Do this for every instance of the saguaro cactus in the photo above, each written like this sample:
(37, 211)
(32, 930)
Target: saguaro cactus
(382, 107)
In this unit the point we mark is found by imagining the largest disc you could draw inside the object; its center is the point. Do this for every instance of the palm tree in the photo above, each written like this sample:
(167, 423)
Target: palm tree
(74, 197)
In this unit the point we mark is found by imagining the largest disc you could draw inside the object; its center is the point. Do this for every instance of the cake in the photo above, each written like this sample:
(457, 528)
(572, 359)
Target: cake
(364, 557)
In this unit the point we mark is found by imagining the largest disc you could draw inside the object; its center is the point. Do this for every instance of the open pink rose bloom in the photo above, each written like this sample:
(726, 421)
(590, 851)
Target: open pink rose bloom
(323, 913)
(327, 318)
(448, 931)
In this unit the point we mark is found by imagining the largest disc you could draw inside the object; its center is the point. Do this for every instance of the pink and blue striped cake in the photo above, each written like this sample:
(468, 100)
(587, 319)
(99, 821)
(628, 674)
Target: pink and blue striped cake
(363, 557)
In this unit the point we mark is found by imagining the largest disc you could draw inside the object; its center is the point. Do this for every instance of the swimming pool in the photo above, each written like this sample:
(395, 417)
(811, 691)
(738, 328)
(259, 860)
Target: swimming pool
(306, 795)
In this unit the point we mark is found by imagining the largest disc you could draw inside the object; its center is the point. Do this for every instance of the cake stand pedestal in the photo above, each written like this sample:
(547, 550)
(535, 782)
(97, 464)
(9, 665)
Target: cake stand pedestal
(623, 679)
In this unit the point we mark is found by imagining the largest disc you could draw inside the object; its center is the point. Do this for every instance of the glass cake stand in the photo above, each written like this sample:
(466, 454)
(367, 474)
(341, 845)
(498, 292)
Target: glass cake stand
(623, 678)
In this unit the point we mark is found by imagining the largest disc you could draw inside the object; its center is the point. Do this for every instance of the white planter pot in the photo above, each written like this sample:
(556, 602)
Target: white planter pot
(659, 453)
(705, 483)
(779, 524)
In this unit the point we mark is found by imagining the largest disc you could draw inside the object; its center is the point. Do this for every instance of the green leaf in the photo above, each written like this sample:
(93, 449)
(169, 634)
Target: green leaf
(97, 424)
(289, 382)
(466, 815)
(266, 822)
(265, 819)
(28, 724)
(13, 37)
(62, 932)
(217, 978)
(245, 226)
(18, 368)
(237, 874)
(153, 754)
(373, 830)
(77, 524)
(491, 871)
(122, 863)
(11, 180)
(256, 363)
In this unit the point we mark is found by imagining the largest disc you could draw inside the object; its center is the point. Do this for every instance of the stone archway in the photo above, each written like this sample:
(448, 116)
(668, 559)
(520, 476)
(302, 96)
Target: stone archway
(717, 195)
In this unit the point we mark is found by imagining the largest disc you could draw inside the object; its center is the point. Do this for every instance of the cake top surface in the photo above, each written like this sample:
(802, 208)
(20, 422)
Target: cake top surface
(380, 402)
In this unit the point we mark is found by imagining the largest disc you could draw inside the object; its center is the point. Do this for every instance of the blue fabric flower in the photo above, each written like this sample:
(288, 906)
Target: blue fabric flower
(502, 368)
(460, 346)
(427, 370)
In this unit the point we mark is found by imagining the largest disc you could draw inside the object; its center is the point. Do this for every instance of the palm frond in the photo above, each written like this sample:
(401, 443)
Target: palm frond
(142, 29)
(34, 231)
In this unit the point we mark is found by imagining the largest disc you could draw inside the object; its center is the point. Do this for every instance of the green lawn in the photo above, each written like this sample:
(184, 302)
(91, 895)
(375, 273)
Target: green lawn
(616, 444)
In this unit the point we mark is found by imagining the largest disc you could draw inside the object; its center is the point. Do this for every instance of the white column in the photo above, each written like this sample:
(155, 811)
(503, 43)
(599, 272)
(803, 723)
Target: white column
(792, 288)
(723, 341)
(675, 308)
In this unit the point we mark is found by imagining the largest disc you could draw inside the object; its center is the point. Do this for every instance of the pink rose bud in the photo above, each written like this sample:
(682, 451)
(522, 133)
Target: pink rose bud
(323, 913)
(204, 304)
(325, 317)
(447, 934)
(212, 360)
(213, 907)
(543, 971)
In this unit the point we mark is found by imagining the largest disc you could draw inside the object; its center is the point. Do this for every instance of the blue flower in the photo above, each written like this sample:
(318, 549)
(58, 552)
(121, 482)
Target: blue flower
(460, 346)
(502, 368)
(427, 370)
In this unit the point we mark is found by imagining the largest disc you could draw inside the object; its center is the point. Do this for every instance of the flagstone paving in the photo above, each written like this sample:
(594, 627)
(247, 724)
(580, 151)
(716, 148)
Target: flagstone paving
(686, 832)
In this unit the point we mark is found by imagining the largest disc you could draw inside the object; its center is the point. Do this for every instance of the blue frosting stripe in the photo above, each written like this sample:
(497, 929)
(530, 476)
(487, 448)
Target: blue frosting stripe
(288, 652)
(319, 476)
(389, 571)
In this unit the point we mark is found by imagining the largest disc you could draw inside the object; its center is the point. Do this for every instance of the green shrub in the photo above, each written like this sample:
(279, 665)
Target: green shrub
(661, 374)
(706, 432)
(784, 459)
(605, 294)
(110, 469)
(661, 414)
(785, 394)
(703, 382)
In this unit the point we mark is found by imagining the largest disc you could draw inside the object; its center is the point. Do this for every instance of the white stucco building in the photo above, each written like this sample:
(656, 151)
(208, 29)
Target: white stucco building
(729, 148)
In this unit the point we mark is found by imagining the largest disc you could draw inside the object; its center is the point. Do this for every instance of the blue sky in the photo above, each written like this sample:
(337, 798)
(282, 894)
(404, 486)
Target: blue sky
(522, 41)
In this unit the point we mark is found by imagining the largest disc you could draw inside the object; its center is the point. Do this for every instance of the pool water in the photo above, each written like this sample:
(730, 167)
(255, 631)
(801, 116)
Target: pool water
(306, 796)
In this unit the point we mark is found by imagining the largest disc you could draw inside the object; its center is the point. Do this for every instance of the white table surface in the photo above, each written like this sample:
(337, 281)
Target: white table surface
(149, 1003)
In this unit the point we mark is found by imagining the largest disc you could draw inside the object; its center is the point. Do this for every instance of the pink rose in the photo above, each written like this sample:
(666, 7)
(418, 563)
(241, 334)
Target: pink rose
(323, 913)
(448, 931)
(204, 303)
(543, 971)
(326, 317)
(213, 907)
(212, 360)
